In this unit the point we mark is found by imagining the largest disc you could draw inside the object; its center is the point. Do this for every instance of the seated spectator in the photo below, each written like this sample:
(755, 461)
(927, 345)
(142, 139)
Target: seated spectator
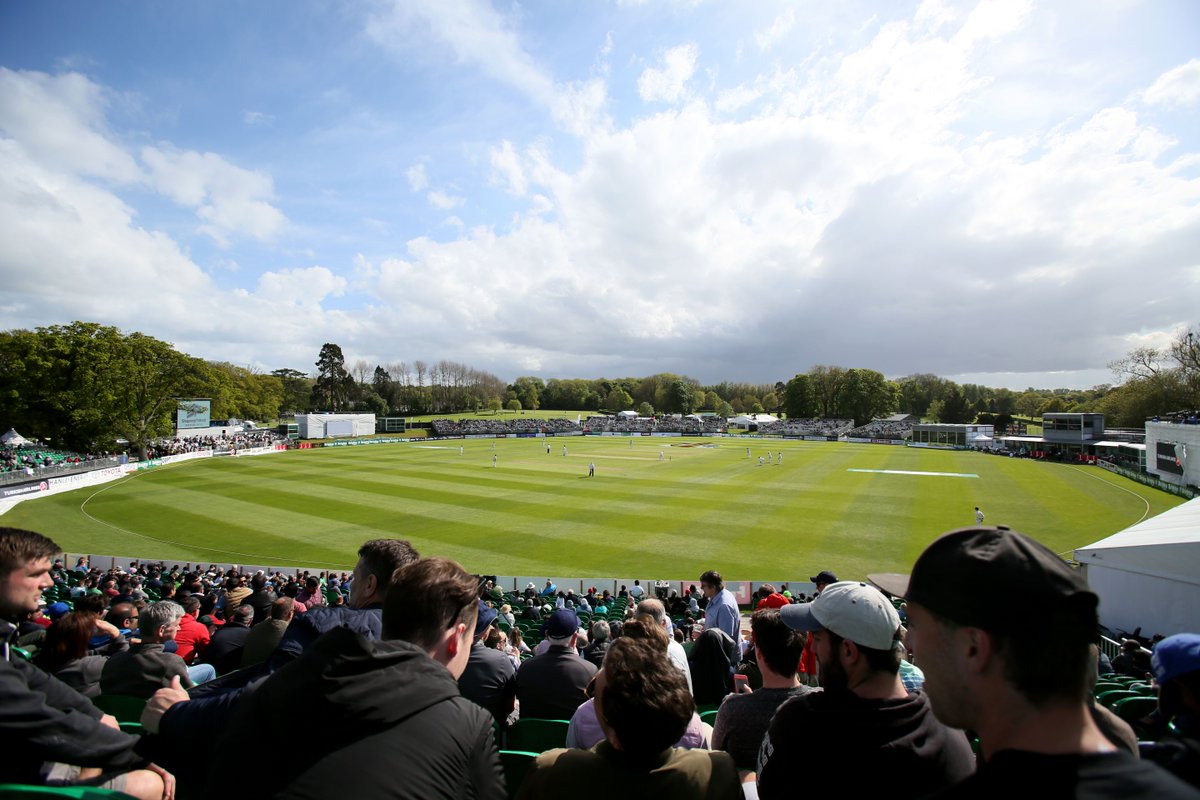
(224, 652)
(1176, 664)
(311, 595)
(145, 667)
(193, 635)
(585, 731)
(1131, 662)
(1022, 688)
(769, 598)
(260, 598)
(65, 654)
(51, 733)
(864, 722)
(711, 663)
(653, 609)
(598, 646)
(266, 635)
(386, 716)
(743, 719)
(235, 594)
(489, 679)
(643, 705)
(551, 685)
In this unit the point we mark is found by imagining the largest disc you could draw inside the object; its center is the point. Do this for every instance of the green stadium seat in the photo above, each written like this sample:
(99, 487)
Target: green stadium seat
(516, 765)
(1107, 686)
(709, 717)
(537, 735)
(15, 791)
(1108, 699)
(1132, 709)
(123, 707)
(704, 708)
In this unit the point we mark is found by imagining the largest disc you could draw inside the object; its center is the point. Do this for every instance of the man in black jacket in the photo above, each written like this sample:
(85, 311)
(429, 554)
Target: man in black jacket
(391, 720)
(490, 681)
(865, 722)
(46, 726)
(552, 685)
(224, 652)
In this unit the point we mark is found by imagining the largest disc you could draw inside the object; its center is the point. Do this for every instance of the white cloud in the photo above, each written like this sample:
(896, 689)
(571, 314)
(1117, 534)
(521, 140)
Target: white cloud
(473, 31)
(444, 201)
(778, 30)
(417, 179)
(506, 168)
(60, 119)
(842, 204)
(302, 286)
(228, 198)
(1178, 87)
(667, 84)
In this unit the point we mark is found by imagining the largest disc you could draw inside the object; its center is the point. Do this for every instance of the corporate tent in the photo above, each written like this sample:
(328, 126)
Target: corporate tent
(13, 439)
(1148, 575)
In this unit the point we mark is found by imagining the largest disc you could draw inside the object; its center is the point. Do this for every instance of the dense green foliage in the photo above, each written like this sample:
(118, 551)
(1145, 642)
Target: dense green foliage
(700, 507)
(83, 386)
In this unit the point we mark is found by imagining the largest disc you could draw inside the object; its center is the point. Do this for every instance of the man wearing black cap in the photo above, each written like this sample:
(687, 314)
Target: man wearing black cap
(552, 685)
(489, 679)
(1176, 665)
(864, 724)
(1002, 627)
(823, 579)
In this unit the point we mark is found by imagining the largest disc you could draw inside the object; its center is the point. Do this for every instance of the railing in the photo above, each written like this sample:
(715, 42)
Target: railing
(1150, 480)
(57, 471)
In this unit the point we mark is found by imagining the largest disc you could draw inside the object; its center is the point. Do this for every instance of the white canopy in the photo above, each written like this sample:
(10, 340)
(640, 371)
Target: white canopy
(13, 439)
(1148, 575)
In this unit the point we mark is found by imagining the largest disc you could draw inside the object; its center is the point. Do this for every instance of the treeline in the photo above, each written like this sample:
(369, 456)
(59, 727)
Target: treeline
(83, 386)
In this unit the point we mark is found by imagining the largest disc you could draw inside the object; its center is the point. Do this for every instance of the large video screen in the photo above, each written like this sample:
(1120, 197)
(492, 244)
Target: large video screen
(1168, 458)
(194, 414)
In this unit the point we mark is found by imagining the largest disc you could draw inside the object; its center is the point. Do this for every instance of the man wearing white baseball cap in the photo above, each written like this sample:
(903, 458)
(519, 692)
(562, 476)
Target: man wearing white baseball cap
(865, 724)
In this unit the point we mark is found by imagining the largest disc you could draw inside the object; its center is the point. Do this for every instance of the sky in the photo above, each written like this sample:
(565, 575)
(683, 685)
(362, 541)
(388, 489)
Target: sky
(1005, 193)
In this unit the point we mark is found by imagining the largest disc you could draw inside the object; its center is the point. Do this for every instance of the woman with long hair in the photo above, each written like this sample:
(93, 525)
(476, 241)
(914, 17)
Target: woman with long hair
(65, 653)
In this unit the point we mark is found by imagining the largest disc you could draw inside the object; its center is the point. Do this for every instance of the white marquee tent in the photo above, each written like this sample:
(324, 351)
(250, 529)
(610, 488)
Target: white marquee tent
(1148, 575)
(13, 439)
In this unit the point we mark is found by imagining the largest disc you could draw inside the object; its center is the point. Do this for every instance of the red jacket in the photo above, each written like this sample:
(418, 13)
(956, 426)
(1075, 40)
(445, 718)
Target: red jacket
(192, 638)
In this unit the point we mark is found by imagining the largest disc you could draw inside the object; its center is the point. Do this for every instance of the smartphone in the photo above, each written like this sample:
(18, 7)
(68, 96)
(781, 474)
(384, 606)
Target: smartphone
(741, 684)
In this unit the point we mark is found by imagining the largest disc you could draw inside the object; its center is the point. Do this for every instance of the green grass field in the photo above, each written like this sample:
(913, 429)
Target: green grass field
(705, 505)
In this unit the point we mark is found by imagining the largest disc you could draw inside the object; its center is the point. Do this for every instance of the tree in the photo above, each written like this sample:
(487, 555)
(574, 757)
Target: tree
(863, 395)
(770, 401)
(723, 409)
(514, 405)
(1054, 405)
(241, 392)
(645, 410)
(528, 390)
(332, 388)
(83, 385)
(618, 400)
(952, 408)
(297, 389)
(680, 397)
(798, 399)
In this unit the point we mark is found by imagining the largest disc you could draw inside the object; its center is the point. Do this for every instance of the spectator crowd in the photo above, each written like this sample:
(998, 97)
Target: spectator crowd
(404, 677)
